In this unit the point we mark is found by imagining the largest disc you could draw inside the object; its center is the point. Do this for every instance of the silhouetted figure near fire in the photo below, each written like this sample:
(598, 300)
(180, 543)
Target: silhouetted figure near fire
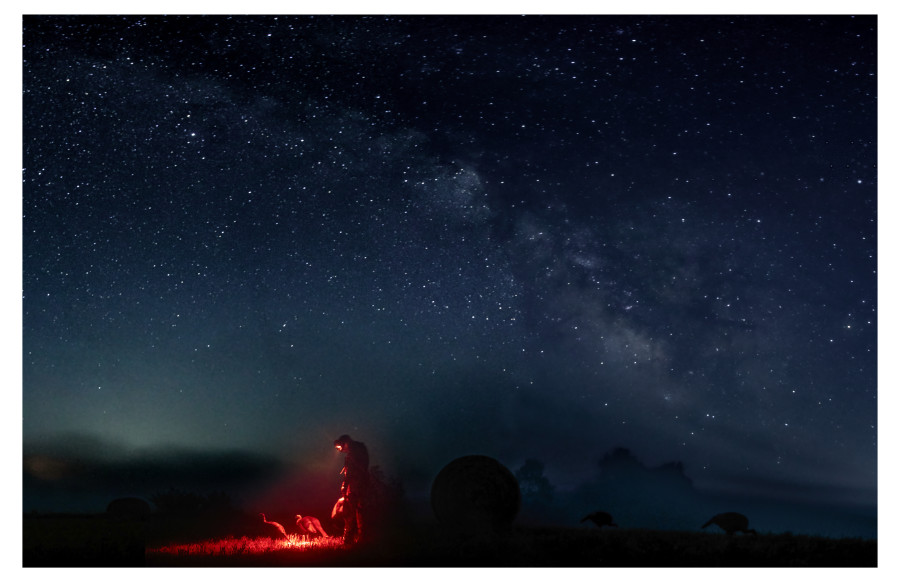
(310, 525)
(731, 522)
(600, 518)
(355, 487)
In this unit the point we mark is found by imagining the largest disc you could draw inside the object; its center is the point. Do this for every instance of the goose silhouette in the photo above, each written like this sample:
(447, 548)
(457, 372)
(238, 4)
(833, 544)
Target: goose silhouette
(310, 525)
(276, 525)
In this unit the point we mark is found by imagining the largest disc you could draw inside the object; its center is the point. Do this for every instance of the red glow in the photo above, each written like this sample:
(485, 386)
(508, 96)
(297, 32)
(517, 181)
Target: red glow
(248, 546)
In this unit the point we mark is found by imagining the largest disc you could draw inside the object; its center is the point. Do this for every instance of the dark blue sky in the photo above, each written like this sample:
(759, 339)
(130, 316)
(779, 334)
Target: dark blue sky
(528, 237)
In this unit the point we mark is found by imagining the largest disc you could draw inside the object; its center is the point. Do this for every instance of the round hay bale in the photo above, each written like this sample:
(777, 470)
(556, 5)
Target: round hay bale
(475, 494)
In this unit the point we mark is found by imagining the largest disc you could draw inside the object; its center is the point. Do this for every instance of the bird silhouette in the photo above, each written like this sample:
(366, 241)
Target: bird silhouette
(731, 522)
(600, 518)
(276, 525)
(310, 525)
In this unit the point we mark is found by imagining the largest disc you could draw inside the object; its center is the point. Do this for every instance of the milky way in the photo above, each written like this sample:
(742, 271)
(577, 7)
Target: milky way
(528, 237)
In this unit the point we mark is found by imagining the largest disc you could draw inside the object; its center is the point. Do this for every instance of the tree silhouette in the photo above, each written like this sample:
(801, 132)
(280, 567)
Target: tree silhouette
(538, 494)
(620, 462)
(535, 487)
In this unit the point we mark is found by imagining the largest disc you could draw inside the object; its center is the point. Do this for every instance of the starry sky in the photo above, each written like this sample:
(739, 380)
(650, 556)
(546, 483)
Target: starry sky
(520, 236)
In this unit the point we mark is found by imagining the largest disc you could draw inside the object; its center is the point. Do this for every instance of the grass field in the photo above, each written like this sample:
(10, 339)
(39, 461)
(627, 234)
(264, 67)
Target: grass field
(98, 541)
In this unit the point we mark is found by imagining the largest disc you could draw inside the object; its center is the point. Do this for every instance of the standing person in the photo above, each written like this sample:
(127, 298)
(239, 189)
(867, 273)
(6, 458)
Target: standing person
(354, 487)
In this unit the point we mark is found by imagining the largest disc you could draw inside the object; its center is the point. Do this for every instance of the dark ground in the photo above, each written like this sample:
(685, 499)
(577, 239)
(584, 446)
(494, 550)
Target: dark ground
(99, 541)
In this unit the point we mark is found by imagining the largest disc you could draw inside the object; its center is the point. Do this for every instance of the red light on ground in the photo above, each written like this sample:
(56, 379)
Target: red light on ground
(247, 546)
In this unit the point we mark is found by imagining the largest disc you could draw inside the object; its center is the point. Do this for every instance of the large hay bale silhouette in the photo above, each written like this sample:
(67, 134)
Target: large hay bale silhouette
(475, 494)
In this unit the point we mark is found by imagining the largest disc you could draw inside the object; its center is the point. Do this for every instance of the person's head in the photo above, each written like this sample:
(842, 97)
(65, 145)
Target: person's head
(342, 443)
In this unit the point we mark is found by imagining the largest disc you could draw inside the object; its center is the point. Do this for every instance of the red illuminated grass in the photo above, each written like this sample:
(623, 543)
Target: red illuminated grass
(245, 546)
(430, 546)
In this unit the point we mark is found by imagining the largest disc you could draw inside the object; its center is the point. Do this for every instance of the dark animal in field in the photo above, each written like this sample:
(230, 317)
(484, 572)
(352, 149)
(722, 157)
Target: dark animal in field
(310, 525)
(276, 525)
(600, 518)
(133, 508)
(731, 522)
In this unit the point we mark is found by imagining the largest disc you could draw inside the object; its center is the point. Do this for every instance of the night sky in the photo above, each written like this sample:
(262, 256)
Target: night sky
(520, 236)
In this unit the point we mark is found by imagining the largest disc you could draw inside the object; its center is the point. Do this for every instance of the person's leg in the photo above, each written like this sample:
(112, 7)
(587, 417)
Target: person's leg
(351, 524)
(359, 523)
